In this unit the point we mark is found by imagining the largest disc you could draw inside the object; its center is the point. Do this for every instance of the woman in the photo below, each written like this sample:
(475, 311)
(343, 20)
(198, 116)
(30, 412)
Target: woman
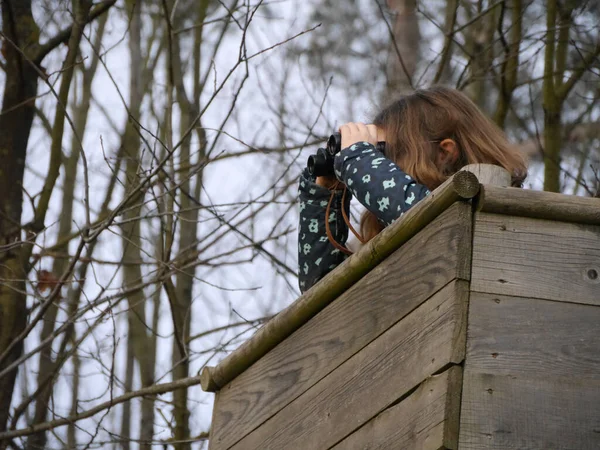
(429, 135)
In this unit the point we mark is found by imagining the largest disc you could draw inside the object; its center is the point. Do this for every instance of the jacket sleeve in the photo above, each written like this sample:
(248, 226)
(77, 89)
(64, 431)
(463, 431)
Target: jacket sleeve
(377, 182)
(316, 255)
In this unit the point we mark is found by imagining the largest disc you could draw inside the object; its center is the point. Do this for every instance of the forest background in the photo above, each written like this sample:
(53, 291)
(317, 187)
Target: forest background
(149, 154)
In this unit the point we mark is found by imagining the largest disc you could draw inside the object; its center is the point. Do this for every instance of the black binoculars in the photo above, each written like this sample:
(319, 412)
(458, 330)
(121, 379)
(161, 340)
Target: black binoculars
(321, 163)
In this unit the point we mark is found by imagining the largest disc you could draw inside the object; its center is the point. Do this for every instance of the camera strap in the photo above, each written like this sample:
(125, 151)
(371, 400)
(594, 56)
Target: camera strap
(336, 244)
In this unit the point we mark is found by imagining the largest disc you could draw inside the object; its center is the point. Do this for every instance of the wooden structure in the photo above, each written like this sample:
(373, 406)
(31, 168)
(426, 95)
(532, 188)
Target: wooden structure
(472, 323)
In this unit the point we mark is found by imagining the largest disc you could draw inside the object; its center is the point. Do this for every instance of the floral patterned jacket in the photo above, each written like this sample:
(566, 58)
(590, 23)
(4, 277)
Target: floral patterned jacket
(377, 182)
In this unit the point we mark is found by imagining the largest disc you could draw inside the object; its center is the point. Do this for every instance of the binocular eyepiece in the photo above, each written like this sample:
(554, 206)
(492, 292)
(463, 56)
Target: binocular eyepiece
(321, 163)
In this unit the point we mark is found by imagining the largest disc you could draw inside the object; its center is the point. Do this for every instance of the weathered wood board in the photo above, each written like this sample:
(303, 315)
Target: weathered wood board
(507, 412)
(529, 337)
(426, 420)
(423, 343)
(531, 375)
(429, 261)
(536, 258)
(540, 205)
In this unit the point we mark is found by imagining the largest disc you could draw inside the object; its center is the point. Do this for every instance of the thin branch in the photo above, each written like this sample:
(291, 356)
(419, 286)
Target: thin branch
(578, 72)
(156, 389)
(231, 325)
(63, 35)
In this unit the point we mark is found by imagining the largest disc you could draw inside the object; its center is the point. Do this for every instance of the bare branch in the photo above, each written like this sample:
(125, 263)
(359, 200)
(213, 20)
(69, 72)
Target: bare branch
(156, 389)
(63, 36)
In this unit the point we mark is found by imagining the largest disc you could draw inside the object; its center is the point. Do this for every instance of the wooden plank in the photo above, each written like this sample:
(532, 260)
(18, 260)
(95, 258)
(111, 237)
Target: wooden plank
(532, 375)
(216, 407)
(526, 337)
(512, 412)
(426, 420)
(437, 255)
(540, 205)
(423, 343)
(536, 258)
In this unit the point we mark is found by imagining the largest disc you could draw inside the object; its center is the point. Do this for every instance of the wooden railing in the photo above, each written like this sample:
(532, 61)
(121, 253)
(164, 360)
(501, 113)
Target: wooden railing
(473, 322)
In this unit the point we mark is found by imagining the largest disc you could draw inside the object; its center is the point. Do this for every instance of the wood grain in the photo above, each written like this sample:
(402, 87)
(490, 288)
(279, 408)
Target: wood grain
(540, 205)
(536, 258)
(489, 174)
(511, 412)
(429, 261)
(426, 420)
(424, 342)
(527, 337)
(531, 375)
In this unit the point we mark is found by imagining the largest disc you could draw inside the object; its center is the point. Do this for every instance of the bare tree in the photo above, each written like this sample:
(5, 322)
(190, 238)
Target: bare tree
(531, 65)
(23, 55)
(121, 228)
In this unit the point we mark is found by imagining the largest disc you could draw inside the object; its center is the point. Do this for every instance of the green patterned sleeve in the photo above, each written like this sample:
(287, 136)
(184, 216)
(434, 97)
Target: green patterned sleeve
(316, 254)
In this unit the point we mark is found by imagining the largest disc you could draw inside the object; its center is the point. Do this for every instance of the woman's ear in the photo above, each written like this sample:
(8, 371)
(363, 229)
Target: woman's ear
(448, 152)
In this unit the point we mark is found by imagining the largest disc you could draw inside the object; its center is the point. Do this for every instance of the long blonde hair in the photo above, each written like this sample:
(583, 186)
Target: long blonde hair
(416, 123)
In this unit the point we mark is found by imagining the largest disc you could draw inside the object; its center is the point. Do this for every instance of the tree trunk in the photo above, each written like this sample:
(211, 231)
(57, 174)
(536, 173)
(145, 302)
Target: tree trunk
(182, 309)
(80, 117)
(510, 65)
(127, 386)
(404, 53)
(444, 70)
(188, 219)
(552, 106)
(479, 37)
(132, 273)
(18, 108)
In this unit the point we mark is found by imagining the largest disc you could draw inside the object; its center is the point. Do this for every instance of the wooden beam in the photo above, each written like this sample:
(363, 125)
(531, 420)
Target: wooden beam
(539, 205)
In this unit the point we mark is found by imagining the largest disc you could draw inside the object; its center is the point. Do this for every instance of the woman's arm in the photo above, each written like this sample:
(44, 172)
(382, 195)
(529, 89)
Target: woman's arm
(377, 182)
(316, 254)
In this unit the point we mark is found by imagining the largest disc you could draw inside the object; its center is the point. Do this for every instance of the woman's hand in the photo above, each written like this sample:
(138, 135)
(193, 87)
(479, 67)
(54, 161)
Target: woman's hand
(351, 134)
(358, 132)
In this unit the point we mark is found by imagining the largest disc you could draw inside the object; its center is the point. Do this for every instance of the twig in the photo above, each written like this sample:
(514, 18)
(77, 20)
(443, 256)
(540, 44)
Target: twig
(156, 389)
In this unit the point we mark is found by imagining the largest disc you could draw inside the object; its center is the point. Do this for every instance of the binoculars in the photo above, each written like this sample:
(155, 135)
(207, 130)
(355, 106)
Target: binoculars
(321, 163)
